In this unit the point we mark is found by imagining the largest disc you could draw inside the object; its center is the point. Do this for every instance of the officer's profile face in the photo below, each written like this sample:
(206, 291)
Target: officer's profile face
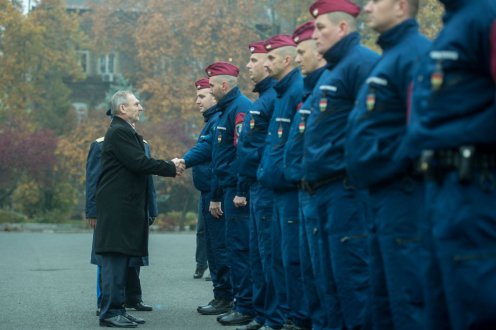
(307, 56)
(326, 33)
(204, 99)
(382, 15)
(131, 110)
(274, 64)
(256, 67)
(216, 88)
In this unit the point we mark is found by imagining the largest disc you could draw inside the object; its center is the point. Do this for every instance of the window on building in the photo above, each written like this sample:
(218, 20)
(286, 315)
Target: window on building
(106, 64)
(84, 60)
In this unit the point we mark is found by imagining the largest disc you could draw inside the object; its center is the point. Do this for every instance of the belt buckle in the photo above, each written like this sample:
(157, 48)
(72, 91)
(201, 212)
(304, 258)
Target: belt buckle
(306, 186)
(426, 161)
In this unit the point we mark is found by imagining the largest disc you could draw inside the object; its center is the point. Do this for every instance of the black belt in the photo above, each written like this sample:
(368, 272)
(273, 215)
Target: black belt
(311, 187)
(466, 160)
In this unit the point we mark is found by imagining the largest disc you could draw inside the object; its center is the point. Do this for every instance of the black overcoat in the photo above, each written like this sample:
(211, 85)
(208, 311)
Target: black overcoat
(121, 194)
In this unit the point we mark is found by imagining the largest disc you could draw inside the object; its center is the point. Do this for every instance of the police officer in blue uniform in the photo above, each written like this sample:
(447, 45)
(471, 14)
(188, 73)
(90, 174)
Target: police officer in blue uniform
(452, 129)
(334, 205)
(281, 66)
(234, 105)
(93, 170)
(376, 128)
(199, 157)
(250, 146)
(312, 65)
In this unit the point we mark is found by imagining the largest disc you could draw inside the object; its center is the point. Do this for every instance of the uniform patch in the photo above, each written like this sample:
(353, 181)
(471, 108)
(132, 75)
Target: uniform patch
(370, 100)
(238, 126)
(252, 123)
(302, 125)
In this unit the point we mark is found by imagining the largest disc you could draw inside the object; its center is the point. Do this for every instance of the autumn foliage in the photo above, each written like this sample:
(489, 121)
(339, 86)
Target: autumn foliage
(164, 46)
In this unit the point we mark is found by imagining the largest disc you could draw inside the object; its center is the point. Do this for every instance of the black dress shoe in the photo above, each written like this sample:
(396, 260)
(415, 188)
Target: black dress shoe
(203, 306)
(140, 307)
(217, 306)
(236, 318)
(208, 278)
(118, 321)
(224, 314)
(199, 272)
(253, 325)
(134, 319)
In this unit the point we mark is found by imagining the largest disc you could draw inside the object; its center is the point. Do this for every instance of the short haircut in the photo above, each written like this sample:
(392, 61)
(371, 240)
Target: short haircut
(118, 99)
(231, 80)
(287, 51)
(339, 16)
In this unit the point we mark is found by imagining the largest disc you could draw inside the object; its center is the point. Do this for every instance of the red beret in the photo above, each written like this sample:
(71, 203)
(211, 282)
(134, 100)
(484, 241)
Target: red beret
(222, 68)
(202, 83)
(257, 47)
(280, 40)
(320, 7)
(303, 32)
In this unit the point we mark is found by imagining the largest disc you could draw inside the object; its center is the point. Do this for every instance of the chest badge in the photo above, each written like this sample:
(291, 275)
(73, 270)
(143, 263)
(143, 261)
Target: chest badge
(323, 104)
(252, 123)
(279, 131)
(301, 125)
(219, 138)
(370, 100)
(437, 77)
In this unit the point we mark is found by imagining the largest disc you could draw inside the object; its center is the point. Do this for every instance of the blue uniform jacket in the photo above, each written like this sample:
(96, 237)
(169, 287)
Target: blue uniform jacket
(199, 157)
(93, 171)
(454, 99)
(289, 95)
(233, 106)
(253, 134)
(293, 151)
(348, 65)
(377, 124)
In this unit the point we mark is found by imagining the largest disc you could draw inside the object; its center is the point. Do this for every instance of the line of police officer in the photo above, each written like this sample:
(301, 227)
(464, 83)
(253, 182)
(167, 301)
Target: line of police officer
(356, 193)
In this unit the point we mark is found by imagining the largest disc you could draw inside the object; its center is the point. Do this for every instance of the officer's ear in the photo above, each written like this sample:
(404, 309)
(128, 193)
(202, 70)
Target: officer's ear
(225, 85)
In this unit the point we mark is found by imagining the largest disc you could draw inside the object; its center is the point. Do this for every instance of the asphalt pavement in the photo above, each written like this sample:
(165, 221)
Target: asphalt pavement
(47, 282)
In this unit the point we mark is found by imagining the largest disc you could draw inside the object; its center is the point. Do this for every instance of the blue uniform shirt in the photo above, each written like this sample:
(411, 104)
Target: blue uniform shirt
(199, 157)
(289, 95)
(348, 65)
(454, 99)
(233, 106)
(377, 124)
(253, 134)
(293, 152)
(93, 171)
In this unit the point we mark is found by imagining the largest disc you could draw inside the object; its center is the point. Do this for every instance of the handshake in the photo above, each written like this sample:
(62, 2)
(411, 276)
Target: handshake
(180, 166)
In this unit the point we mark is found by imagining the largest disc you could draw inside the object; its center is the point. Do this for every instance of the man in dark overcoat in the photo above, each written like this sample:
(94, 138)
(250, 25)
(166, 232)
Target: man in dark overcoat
(121, 234)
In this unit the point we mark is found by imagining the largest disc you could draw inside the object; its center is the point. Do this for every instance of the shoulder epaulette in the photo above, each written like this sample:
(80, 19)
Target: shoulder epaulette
(100, 140)
(145, 141)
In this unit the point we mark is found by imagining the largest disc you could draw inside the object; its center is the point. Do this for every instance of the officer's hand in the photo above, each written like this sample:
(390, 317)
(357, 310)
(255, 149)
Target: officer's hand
(239, 201)
(216, 209)
(151, 220)
(180, 166)
(91, 222)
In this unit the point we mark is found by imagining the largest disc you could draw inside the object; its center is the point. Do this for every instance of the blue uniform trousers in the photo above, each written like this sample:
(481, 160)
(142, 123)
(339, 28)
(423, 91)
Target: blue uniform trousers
(343, 254)
(286, 215)
(201, 240)
(215, 235)
(394, 243)
(238, 249)
(120, 284)
(464, 241)
(309, 264)
(436, 311)
(261, 209)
